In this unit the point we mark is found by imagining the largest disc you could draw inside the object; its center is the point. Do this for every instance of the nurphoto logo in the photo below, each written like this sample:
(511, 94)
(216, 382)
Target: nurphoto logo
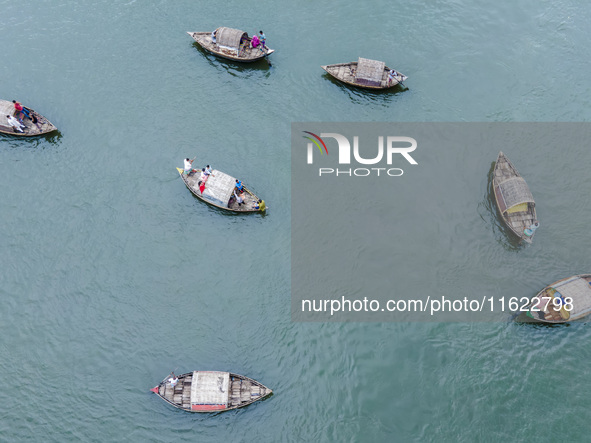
(394, 145)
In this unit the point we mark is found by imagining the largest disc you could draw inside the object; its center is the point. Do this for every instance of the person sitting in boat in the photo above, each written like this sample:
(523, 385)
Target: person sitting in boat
(254, 42)
(530, 231)
(173, 380)
(18, 126)
(208, 170)
(189, 166)
(392, 75)
(260, 205)
(239, 198)
(204, 175)
(214, 32)
(239, 186)
(201, 186)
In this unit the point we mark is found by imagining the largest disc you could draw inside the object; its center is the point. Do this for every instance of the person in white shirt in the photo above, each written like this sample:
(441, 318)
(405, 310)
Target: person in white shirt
(15, 123)
(208, 170)
(173, 380)
(239, 199)
(189, 166)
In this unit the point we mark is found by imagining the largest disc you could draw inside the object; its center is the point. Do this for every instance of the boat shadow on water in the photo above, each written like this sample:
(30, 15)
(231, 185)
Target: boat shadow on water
(35, 141)
(490, 215)
(233, 67)
(357, 93)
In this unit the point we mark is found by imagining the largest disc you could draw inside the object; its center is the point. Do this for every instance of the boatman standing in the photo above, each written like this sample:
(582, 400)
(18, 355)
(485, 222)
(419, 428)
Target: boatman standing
(189, 166)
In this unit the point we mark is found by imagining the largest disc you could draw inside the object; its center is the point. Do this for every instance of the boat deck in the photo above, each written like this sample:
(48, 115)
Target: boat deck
(42, 126)
(245, 53)
(521, 216)
(346, 73)
(241, 391)
(192, 182)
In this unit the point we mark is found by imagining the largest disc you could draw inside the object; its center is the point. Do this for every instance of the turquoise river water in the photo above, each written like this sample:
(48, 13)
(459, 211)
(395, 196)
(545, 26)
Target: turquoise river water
(112, 274)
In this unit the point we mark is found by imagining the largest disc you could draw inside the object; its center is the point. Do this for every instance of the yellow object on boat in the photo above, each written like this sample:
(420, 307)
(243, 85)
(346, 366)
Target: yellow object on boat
(522, 207)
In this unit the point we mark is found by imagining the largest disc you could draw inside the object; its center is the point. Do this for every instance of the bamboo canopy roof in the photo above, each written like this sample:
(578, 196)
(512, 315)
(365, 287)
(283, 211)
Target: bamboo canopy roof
(230, 37)
(219, 188)
(579, 290)
(369, 72)
(515, 192)
(210, 388)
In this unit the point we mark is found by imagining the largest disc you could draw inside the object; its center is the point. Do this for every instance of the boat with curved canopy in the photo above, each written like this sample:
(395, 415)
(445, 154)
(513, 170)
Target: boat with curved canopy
(30, 126)
(211, 391)
(366, 73)
(565, 300)
(219, 192)
(514, 199)
(232, 44)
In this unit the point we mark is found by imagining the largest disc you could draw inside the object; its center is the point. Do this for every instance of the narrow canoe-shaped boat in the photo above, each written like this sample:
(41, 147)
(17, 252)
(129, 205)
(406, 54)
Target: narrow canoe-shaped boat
(211, 391)
(514, 199)
(219, 192)
(565, 300)
(366, 73)
(232, 44)
(43, 126)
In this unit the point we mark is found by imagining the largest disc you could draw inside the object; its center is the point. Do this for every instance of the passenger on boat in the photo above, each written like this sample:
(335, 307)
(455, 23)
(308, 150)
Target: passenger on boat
(201, 186)
(254, 42)
(173, 380)
(204, 175)
(18, 126)
(189, 166)
(239, 186)
(20, 110)
(530, 231)
(208, 170)
(239, 198)
(392, 76)
(260, 205)
(214, 32)
(263, 39)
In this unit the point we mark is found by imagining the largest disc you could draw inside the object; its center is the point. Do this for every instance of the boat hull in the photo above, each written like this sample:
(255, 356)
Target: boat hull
(203, 39)
(516, 221)
(222, 391)
(43, 126)
(345, 73)
(191, 182)
(549, 310)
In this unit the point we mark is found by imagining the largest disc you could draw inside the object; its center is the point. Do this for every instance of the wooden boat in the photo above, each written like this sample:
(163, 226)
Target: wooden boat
(514, 199)
(565, 300)
(219, 192)
(43, 126)
(232, 44)
(365, 73)
(211, 391)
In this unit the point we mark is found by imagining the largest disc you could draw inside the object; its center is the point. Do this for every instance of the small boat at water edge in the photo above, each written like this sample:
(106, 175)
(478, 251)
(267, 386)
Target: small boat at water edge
(31, 128)
(219, 192)
(514, 199)
(565, 300)
(211, 391)
(366, 73)
(232, 44)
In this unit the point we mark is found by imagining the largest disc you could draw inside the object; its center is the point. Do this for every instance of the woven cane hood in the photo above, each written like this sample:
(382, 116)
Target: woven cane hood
(579, 290)
(229, 37)
(369, 72)
(219, 188)
(209, 388)
(515, 191)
